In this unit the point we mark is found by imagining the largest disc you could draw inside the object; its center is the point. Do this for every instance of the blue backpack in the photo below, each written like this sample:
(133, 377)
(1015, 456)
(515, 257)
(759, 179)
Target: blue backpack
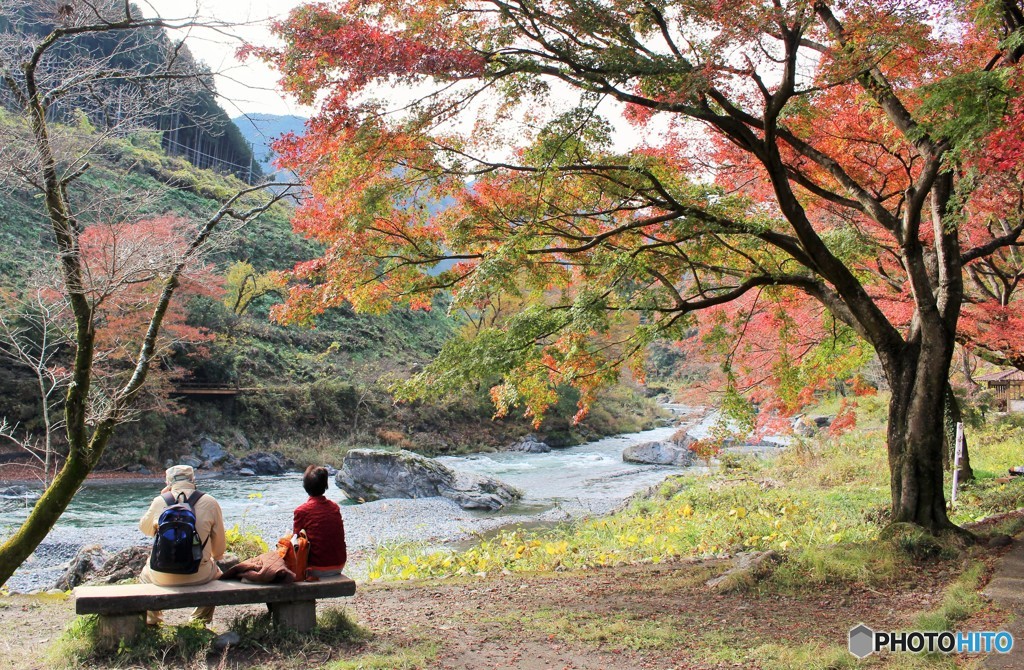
(177, 548)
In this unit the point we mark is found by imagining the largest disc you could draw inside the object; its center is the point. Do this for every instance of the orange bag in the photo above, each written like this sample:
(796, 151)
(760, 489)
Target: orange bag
(294, 549)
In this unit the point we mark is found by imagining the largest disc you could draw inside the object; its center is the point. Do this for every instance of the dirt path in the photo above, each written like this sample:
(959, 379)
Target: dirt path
(634, 617)
(1006, 589)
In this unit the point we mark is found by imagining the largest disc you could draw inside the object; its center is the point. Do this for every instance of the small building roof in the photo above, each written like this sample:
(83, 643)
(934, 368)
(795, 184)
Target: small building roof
(1009, 375)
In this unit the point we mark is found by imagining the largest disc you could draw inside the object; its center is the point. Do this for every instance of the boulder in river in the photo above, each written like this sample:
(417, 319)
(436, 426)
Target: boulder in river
(212, 452)
(659, 453)
(20, 493)
(263, 463)
(87, 561)
(530, 444)
(373, 474)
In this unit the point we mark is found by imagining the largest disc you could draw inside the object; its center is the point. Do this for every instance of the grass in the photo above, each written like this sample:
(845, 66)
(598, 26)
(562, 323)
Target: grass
(960, 601)
(393, 657)
(179, 646)
(689, 516)
(189, 645)
(670, 633)
(333, 628)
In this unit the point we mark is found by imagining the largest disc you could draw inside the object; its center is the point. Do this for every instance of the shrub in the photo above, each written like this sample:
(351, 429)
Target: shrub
(244, 542)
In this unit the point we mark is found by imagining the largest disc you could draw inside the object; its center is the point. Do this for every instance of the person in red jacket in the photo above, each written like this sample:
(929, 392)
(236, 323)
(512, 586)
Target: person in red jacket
(321, 519)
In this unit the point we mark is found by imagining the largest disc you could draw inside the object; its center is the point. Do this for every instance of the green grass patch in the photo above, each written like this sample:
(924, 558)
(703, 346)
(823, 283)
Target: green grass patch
(181, 646)
(393, 657)
(960, 601)
(333, 627)
(668, 634)
(622, 631)
(866, 563)
(810, 656)
(703, 516)
(80, 646)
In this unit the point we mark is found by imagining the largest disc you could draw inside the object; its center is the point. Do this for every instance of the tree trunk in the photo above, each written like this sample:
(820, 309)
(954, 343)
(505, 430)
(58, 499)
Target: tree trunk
(915, 435)
(44, 515)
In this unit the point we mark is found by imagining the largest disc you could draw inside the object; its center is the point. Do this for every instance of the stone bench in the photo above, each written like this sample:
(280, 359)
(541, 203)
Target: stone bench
(122, 609)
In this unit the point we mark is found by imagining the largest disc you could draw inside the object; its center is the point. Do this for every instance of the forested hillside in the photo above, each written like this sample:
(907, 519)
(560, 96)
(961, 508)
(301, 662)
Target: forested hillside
(195, 128)
(306, 391)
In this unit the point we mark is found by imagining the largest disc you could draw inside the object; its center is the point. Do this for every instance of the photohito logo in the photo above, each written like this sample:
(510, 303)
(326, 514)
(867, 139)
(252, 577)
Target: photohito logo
(864, 641)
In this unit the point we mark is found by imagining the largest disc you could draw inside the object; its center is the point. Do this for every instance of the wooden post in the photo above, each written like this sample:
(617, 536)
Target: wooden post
(111, 629)
(957, 455)
(298, 615)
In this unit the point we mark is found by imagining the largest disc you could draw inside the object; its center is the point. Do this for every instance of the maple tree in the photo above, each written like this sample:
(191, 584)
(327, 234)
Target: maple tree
(119, 272)
(804, 150)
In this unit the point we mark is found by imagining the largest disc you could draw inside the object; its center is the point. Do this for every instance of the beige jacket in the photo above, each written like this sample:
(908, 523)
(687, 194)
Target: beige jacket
(209, 523)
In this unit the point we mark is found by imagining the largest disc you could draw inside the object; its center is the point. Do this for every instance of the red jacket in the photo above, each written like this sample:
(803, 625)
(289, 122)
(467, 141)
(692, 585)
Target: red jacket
(321, 519)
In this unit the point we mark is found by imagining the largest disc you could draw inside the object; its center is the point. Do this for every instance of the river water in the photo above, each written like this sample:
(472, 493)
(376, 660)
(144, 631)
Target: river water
(585, 480)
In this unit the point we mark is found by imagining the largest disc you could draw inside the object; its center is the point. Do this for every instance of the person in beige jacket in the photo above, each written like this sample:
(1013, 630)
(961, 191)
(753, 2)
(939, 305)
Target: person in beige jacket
(181, 479)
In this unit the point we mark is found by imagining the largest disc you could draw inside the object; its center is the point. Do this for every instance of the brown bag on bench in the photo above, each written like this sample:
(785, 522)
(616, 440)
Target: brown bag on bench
(295, 552)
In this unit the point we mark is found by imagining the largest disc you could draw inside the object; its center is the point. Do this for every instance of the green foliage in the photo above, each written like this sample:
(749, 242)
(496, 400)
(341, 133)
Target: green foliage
(244, 541)
(243, 285)
(492, 353)
(980, 100)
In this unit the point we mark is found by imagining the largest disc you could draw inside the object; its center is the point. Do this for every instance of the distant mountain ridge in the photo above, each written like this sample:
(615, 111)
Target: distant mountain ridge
(261, 130)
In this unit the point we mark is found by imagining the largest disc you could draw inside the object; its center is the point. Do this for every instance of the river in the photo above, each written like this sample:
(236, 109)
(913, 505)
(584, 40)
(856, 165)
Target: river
(585, 480)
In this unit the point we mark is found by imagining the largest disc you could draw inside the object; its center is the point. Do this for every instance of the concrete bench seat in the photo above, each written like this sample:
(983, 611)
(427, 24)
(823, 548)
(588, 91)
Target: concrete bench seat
(122, 609)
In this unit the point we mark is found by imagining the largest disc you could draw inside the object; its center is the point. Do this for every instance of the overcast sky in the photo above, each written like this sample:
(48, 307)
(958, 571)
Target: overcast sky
(248, 87)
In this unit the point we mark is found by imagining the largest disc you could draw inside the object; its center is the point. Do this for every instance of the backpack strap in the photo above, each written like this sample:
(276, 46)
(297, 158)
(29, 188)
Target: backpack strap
(192, 500)
(168, 498)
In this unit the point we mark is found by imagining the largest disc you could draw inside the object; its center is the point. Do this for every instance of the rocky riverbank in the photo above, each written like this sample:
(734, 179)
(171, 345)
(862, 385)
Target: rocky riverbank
(434, 521)
(560, 485)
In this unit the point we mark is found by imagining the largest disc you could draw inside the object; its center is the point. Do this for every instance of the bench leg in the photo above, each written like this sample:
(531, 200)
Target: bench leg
(299, 615)
(111, 629)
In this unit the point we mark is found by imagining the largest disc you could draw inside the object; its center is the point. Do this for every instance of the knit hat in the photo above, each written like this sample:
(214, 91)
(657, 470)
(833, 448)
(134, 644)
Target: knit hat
(180, 473)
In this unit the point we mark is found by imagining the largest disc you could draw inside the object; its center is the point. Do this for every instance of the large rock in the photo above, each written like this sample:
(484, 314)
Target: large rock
(86, 562)
(372, 474)
(659, 453)
(804, 426)
(125, 564)
(530, 444)
(192, 461)
(263, 463)
(749, 568)
(212, 452)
